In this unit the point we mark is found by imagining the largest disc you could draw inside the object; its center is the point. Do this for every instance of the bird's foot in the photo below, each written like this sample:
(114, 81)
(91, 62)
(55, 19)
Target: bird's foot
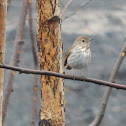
(74, 77)
(83, 77)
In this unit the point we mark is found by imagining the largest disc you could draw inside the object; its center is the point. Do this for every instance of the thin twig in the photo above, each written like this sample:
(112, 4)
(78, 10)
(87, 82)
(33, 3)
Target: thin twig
(104, 102)
(34, 100)
(84, 4)
(15, 57)
(8, 4)
(44, 72)
(62, 3)
(66, 7)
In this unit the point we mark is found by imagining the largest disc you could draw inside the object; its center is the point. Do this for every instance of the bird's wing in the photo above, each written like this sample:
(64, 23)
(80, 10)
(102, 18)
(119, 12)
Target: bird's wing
(66, 56)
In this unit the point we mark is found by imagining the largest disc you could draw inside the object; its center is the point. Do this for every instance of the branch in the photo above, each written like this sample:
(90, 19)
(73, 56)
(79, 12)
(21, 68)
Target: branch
(84, 4)
(62, 3)
(35, 58)
(3, 18)
(104, 102)
(33, 44)
(15, 57)
(8, 4)
(66, 7)
(44, 72)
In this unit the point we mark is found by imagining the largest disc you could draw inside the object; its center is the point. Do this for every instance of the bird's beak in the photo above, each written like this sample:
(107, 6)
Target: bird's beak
(91, 39)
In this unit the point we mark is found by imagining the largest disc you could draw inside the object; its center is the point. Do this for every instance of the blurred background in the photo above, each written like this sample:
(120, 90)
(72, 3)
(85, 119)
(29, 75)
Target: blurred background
(102, 20)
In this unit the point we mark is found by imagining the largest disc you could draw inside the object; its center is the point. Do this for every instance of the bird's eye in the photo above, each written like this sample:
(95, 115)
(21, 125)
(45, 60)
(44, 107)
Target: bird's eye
(83, 41)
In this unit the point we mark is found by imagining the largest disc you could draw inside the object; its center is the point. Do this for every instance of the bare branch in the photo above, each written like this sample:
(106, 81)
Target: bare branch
(66, 7)
(35, 58)
(44, 72)
(62, 3)
(15, 57)
(104, 102)
(8, 3)
(3, 15)
(33, 44)
(84, 4)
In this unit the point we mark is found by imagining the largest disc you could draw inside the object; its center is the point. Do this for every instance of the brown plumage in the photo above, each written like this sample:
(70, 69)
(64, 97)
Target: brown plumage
(79, 42)
(65, 58)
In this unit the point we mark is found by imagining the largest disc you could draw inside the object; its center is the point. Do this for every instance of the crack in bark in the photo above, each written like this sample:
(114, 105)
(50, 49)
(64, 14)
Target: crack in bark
(44, 123)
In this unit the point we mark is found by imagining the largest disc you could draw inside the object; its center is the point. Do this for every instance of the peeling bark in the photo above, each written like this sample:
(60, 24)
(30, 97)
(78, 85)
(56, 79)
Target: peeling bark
(50, 58)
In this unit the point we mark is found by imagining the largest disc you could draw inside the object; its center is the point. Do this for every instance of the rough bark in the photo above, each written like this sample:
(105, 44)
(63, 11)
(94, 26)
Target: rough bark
(3, 11)
(50, 58)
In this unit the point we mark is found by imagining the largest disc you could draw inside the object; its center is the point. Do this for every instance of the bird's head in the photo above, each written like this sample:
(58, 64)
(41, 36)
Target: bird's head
(82, 41)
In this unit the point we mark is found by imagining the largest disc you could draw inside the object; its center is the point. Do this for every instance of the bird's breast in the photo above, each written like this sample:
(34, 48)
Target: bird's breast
(79, 58)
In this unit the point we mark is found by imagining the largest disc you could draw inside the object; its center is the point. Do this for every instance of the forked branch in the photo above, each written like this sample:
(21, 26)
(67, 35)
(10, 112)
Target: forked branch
(82, 5)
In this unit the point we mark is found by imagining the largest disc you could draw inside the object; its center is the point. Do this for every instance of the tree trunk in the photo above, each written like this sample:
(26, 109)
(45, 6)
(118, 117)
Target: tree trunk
(3, 11)
(50, 58)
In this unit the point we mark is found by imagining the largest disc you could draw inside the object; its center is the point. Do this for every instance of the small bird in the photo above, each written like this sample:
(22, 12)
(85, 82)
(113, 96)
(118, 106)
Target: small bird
(79, 55)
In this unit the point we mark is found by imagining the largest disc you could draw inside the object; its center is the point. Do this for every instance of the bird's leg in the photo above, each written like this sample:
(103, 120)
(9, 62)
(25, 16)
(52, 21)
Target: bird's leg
(83, 75)
(73, 75)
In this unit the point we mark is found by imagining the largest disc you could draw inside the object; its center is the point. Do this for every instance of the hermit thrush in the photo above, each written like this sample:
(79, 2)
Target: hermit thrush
(79, 55)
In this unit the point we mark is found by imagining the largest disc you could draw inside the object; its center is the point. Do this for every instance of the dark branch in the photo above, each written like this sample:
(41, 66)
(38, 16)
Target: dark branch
(43, 72)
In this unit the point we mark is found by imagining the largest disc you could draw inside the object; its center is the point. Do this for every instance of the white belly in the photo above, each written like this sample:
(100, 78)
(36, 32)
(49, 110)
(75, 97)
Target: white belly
(79, 59)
